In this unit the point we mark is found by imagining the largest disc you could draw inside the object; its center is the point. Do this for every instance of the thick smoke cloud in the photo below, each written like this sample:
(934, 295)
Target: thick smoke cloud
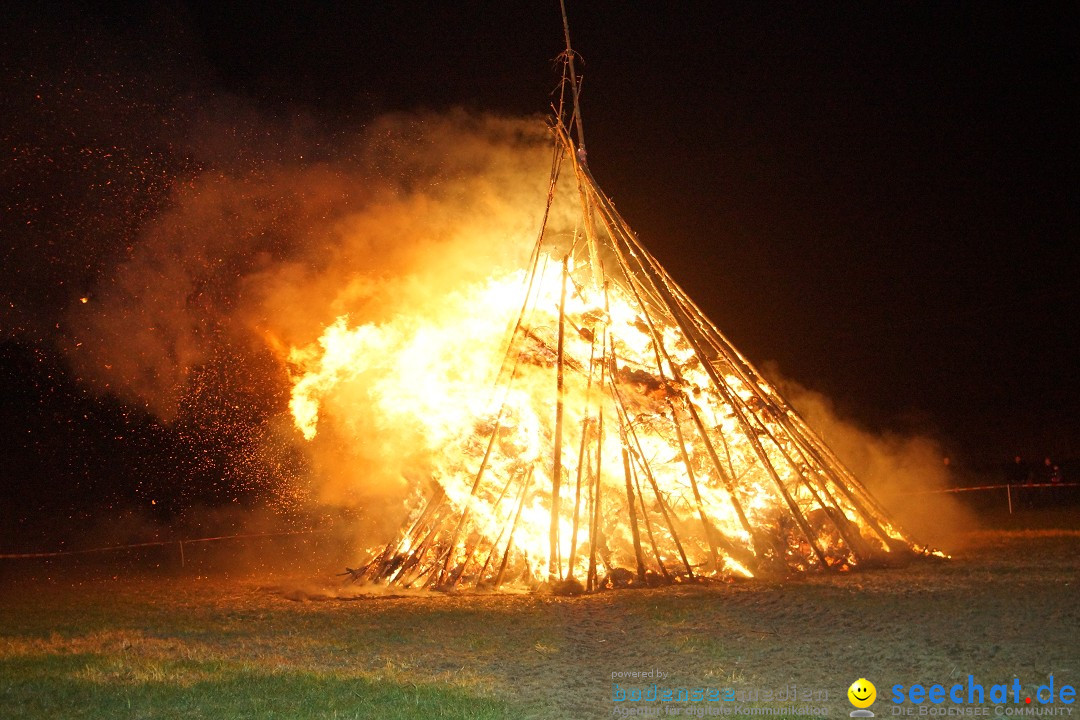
(175, 243)
(905, 472)
(258, 253)
(273, 253)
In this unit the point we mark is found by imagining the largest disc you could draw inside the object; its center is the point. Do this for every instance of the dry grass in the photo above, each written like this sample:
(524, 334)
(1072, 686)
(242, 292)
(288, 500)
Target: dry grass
(1006, 606)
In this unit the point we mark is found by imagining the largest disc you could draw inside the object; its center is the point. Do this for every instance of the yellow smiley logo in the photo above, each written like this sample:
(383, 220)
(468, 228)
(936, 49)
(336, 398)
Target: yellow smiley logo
(862, 693)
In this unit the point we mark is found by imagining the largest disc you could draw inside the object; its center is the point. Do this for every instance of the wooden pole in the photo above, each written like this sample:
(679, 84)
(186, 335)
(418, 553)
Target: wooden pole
(434, 503)
(494, 547)
(513, 527)
(729, 483)
(554, 560)
(796, 512)
(848, 484)
(659, 347)
(853, 541)
(577, 503)
(573, 79)
(479, 473)
(640, 456)
(580, 465)
(416, 557)
(706, 525)
(471, 551)
(648, 525)
(632, 512)
(594, 525)
(679, 315)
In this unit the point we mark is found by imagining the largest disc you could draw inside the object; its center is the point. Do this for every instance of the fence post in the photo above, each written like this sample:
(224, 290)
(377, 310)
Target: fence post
(1008, 493)
(182, 552)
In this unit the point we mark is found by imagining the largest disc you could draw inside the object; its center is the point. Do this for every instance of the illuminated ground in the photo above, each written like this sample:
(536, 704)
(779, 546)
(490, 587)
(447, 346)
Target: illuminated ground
(149, 646)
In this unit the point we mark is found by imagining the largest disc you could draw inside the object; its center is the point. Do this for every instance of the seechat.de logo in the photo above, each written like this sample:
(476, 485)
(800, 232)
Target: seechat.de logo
(862, 695)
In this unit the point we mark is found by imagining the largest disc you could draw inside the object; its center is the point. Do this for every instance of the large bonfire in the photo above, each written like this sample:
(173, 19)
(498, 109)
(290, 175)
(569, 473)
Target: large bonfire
(584, 425)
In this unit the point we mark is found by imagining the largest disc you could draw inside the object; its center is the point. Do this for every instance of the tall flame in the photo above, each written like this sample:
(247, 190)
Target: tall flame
(489, 444)
(584, 421)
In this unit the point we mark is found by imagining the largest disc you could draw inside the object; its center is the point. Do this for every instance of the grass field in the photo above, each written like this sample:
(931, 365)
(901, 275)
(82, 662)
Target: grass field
(84, 645)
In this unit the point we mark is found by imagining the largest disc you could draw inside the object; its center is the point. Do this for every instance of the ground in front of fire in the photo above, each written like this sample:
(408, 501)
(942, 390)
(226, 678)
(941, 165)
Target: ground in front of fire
(123, 638)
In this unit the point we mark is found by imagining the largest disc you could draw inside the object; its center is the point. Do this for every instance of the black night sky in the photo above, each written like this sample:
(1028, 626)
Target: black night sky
(881, 198)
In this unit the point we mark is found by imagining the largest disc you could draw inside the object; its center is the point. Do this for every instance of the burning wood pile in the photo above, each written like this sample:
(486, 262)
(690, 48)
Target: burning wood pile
(622, 440)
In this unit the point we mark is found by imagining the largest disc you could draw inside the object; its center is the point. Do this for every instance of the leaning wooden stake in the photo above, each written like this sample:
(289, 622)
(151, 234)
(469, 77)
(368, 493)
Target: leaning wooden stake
(694, 487)
(664, 513)
(410, 536)
(681, 304)
(763, 457)
(640, 457)
(638, 555)
(470, 551)
(607, 354)
(440, 578)
(580, 466)
(498, 539)
(577, 501)
(554, 560)
(513, 527)
(591, 580)
(659, 348)
(648, 524)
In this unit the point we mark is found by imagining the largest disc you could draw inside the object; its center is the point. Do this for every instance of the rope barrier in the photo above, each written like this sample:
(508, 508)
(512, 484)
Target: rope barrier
(1008, 489)
(156, 543)
(996, 487)
(190, 541)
